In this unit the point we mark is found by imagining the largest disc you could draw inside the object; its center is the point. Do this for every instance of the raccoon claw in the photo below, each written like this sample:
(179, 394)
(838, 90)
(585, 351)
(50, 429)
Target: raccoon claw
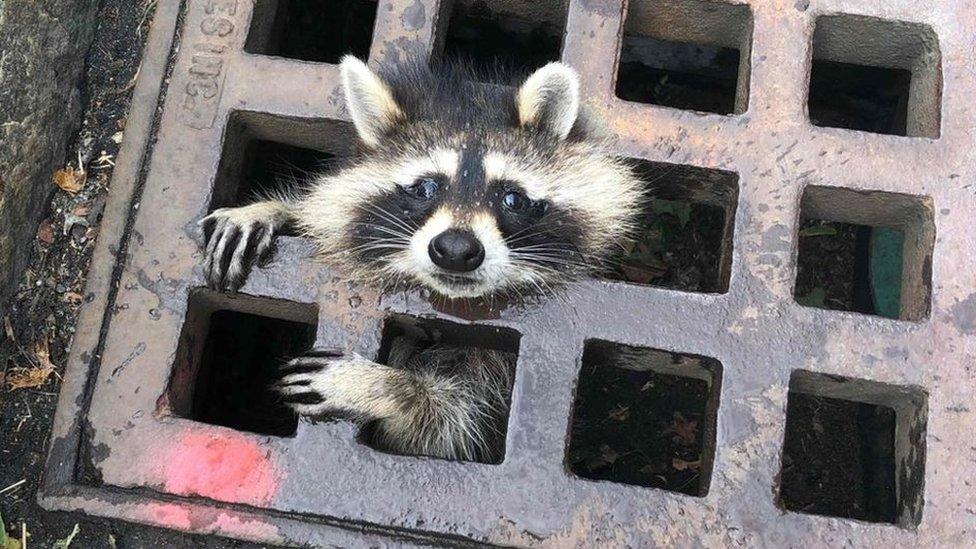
(235, 241)
(309, 384)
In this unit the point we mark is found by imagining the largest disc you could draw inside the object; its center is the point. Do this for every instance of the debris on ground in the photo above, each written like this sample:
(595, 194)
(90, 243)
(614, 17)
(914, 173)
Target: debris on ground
(70, 180)
(33, 376)
(65, 543)
(39, 322)
(679, 247)
(638, 427)
(6, 540)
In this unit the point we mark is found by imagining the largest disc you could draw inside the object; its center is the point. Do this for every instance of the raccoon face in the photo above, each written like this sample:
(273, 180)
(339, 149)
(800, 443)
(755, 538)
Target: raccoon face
(471, 190)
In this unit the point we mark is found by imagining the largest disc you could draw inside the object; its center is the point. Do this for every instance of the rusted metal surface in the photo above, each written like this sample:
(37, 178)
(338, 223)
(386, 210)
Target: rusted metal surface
(119, 449)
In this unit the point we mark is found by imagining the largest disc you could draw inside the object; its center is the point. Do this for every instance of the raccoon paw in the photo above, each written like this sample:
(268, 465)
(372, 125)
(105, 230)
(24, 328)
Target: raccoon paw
(323, 381)
(236, 239)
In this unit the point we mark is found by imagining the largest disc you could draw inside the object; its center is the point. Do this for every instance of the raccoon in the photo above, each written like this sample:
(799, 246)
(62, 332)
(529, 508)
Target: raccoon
(466, 189)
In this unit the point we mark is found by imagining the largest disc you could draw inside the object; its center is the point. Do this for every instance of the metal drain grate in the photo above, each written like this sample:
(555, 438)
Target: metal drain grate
(226, 90)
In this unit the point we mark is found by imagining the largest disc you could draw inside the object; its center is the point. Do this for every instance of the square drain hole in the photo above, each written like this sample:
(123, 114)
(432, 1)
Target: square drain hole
(263, 153)
(685, 240)
(686, 54)
(410, 342)
(645, 417)
(505, 37)
(875, 75)
(230, 349)
(865, 252)
(312, 30)
(854, 449)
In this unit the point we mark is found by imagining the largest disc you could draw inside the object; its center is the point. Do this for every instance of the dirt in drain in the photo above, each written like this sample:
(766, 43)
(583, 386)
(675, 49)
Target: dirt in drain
(680, 247)
(848, 267)
(639, 428)
(839, 459)
(500, 45)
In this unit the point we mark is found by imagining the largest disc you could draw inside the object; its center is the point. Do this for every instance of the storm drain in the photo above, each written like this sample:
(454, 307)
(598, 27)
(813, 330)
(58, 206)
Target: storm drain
(783, 357)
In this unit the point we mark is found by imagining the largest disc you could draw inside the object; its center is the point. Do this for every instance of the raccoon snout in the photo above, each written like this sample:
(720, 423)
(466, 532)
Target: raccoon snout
(456, 250)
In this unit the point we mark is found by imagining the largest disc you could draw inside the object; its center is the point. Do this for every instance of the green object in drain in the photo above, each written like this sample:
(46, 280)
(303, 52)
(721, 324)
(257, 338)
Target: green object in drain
(885, 271)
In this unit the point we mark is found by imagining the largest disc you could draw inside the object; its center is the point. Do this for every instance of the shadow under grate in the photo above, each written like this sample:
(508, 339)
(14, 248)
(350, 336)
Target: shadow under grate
(503, 39)
(645, 417)
(686, 54)
(854, 449)
(230, 351)
(312, 30)
(685, 236)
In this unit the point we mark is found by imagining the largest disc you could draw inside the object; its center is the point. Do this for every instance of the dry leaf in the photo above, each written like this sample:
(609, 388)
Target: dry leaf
(69, 179)
(8, 328)
(73, 297)
(81, 210)
(45, 233)
(621, 413)
(7, 542)
(685, 431)
(606, 457)
(43, 354)
(29, 378)
(681, 465)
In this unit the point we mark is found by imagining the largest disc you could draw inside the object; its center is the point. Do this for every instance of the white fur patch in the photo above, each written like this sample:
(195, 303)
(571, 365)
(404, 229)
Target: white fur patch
(499, 168)
(419, 262)
(496, 266)
(439, 162)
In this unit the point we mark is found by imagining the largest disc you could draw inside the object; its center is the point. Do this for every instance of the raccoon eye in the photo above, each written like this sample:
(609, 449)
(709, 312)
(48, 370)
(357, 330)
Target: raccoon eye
(514, 200)
(518, 202)
(423, 188)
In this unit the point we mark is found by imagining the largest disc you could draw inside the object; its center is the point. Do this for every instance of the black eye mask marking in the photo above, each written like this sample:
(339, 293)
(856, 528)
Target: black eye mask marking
(424, 189)
(514, 209)
(385, 224)
(537, 231)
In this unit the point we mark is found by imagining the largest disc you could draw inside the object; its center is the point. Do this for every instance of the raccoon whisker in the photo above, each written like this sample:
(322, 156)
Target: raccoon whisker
(371, 248)
(378, 211)
(521, 296)
(537, 284)
(553, 250)
(537, 274)
(544, 258)
(566, 254)
(368, 246)
(403, 242)
(383, 229)
(546, 289)
(543, 272)
(537, 229)
(548, 246)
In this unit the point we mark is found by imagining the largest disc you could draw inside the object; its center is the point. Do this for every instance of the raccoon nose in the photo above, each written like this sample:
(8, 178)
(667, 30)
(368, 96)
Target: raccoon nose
(456, 250)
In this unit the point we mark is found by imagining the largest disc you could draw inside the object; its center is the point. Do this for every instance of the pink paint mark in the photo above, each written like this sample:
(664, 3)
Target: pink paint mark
(170, 515)
(224, 467)
(251, 529)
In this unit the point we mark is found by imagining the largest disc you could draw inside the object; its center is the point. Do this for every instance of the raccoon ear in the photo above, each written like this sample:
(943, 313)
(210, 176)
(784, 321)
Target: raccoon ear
(549, 99)
(369, 101)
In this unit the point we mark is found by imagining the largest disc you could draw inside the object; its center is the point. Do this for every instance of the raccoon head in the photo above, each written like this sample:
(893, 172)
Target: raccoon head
(470, 189)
